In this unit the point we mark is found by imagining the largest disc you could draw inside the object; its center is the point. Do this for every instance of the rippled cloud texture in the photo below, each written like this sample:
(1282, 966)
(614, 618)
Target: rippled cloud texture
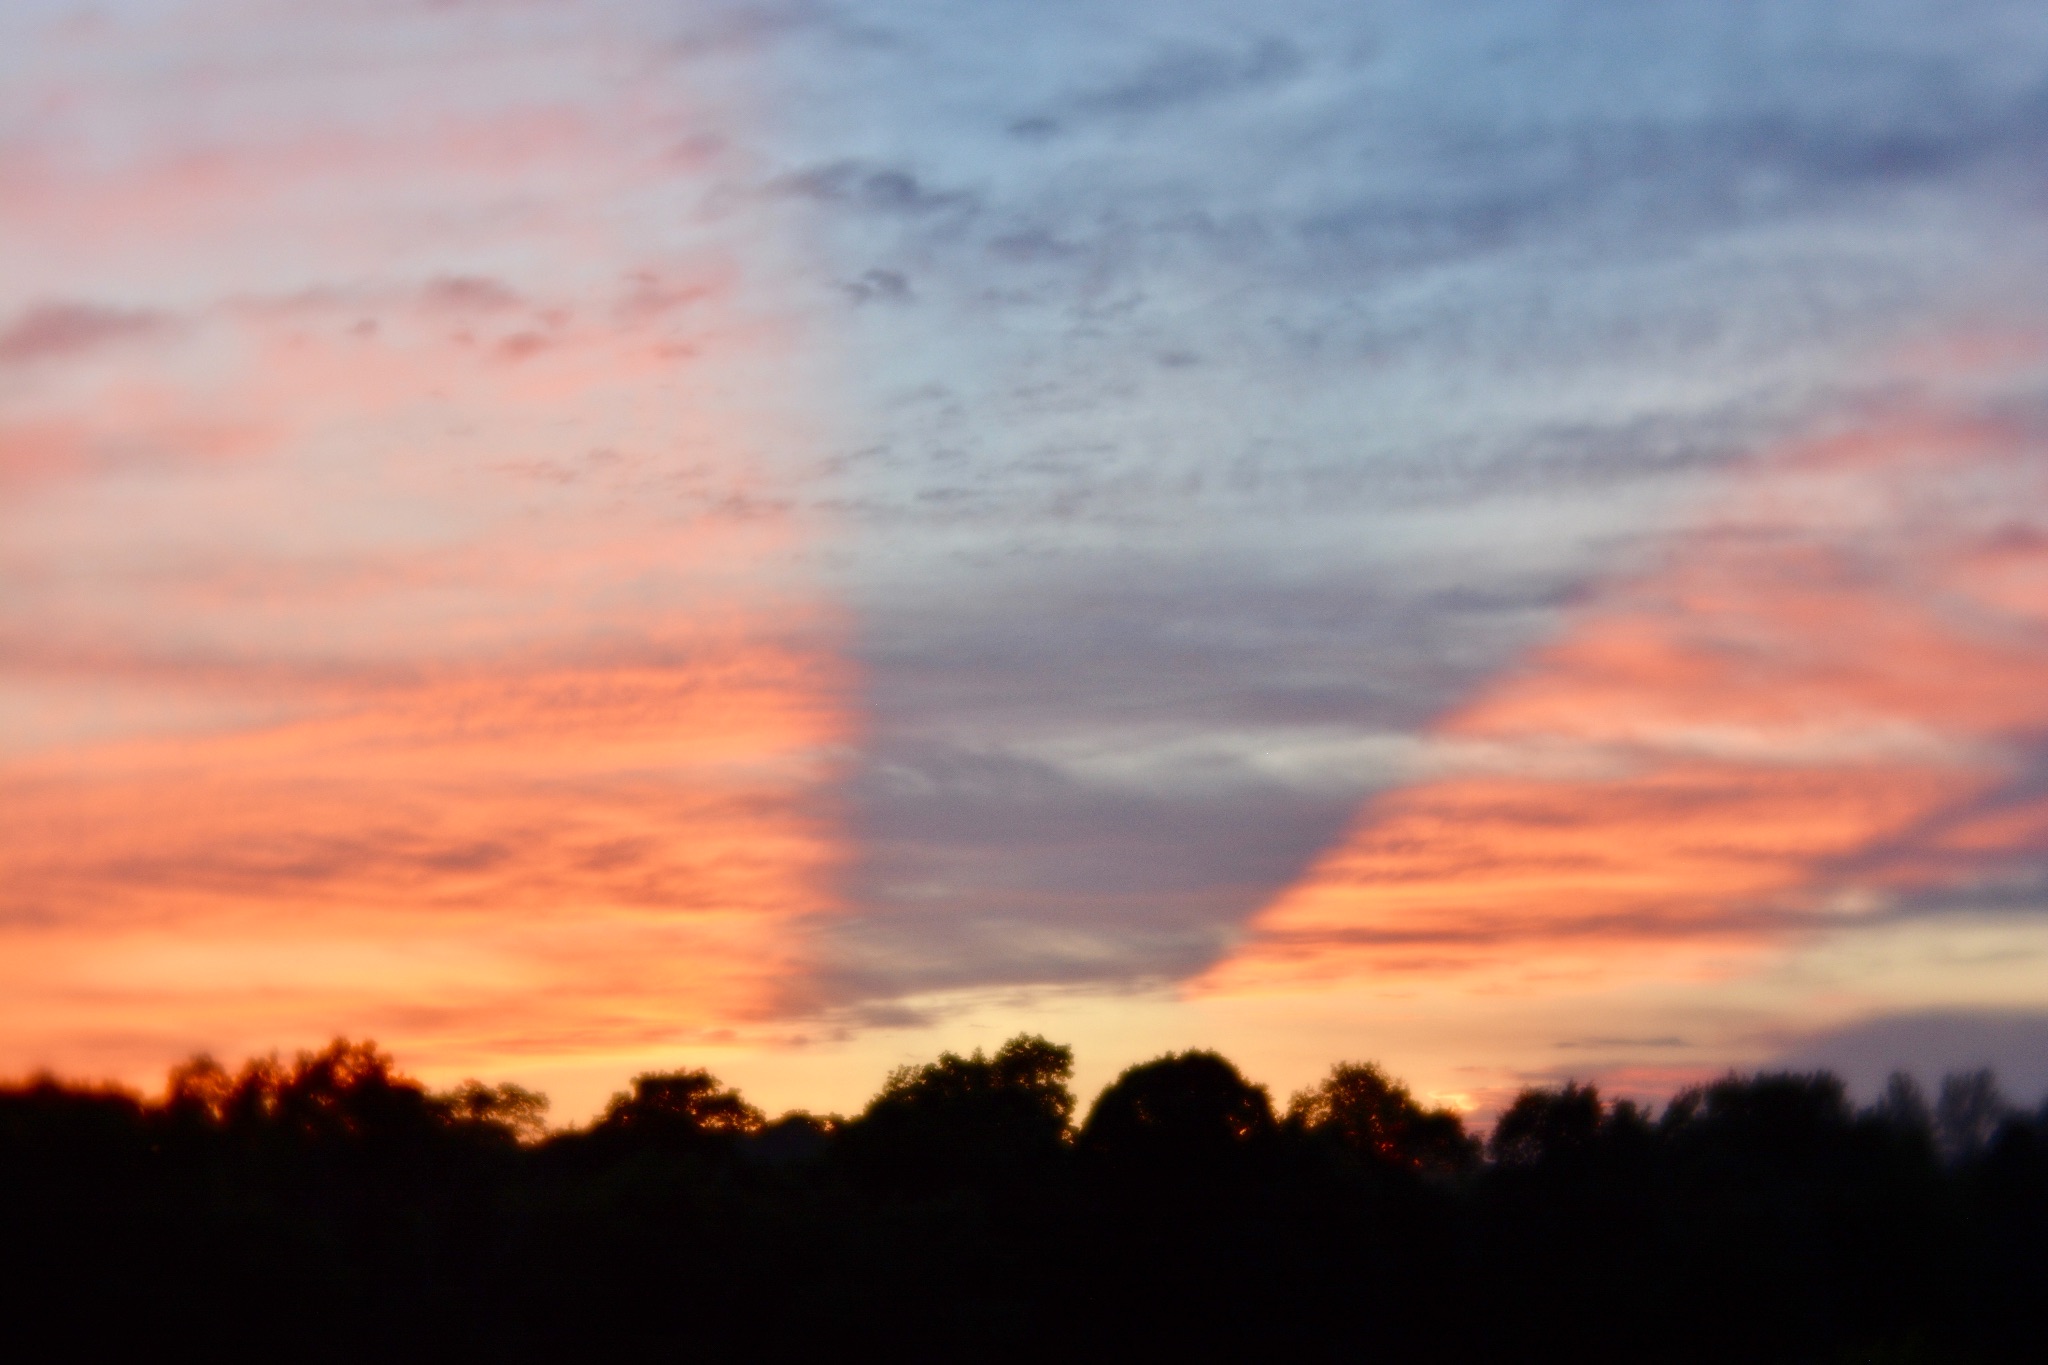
(400, 632)
(1504, 537)
(1824, 704)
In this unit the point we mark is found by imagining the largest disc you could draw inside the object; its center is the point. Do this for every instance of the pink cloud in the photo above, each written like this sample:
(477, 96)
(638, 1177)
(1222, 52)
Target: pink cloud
(55, 330)
(1795, 717)
(318, 710)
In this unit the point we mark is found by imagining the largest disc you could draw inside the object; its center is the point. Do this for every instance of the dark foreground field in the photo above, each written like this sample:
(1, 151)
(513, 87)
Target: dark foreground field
(333, 1209)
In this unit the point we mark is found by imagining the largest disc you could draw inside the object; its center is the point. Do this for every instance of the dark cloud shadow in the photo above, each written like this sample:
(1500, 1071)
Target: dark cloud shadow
(1101, 781)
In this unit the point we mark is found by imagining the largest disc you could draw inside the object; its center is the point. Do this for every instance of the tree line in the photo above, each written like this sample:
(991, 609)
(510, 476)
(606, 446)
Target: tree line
(331, 1207)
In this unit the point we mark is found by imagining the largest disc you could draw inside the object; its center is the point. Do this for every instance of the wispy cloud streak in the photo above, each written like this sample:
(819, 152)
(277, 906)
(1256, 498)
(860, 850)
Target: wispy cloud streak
(403, 630)
(1803, 714)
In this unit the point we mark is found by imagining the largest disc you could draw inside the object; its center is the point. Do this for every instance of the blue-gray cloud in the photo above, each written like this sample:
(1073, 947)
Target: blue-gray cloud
(1258, 379)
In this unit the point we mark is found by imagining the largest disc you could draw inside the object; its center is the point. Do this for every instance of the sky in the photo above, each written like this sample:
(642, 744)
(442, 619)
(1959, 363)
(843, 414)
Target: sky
(574, 537)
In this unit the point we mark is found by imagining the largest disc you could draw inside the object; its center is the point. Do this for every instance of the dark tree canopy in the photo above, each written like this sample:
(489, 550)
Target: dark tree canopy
(520, 1112)
(1027, 1073)
(687, 1107)
(1358, 1108)
(345, 1090)
(1969, 1114)
(332, 1208)
(970, 1120)
(1771, 1126)
(1184, 1110)
(1548, 1126)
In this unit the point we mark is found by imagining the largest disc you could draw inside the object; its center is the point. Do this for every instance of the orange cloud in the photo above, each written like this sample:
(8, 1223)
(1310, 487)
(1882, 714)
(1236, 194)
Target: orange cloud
(627, 840)
(538, 773)
(404, 633)
(1795, 716)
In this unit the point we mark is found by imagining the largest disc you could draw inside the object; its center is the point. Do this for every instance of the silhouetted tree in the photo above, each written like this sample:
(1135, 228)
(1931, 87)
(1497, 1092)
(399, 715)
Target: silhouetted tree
(1178, 1114)
(95, 1131)
(1903, 1108)
(1549, 1126)
(1569, 1213)
(793, 1139)
(1765, 1125)
(345, 1093)
(198, 1092)
(1823, 1224)
(348, 1090)
(678, 1109)
(1968, 1114)
(341, 1208)
(970, 1120)
(515, 1111)
(1370, 1116)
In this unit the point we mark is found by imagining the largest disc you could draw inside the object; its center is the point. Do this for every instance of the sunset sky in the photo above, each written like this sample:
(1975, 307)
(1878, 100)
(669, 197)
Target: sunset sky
(580, 536)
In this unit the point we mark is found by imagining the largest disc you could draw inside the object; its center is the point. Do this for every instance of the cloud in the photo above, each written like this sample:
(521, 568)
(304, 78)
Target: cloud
(57, 331)
(559, 356)
(424, 649)
(1185, 74)
(1419, 258)
(470, 293)
(871, 188)
(1093, 787)
(1512, 289)
(879, 286)
(1788, 723)
(512, 789)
